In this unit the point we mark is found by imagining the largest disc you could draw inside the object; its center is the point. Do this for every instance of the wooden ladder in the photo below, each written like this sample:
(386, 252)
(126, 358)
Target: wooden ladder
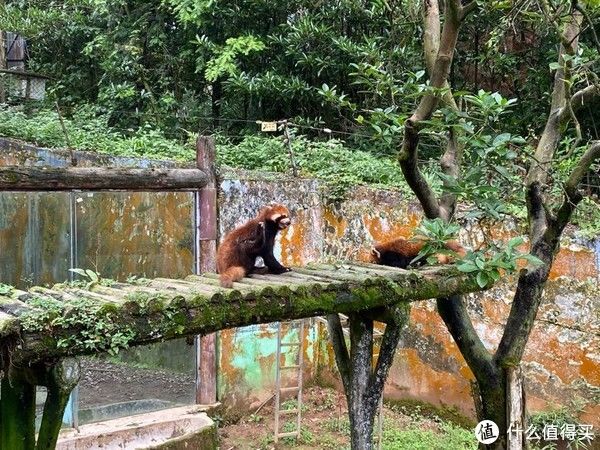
(301, 324)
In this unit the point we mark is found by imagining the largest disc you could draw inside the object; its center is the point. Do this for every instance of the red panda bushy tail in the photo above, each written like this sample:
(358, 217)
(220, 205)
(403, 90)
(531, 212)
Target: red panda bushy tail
(231, 274)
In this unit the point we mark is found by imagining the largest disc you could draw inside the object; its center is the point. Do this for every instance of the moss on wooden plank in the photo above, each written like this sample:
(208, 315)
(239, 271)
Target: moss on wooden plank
(77, 323)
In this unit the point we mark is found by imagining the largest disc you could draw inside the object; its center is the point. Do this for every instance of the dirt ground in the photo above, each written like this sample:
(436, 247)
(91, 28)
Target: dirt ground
(104, 382)
(324, 424)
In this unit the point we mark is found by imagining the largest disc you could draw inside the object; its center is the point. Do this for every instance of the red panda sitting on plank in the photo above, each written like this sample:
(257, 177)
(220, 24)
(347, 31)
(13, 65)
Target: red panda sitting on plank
(401, 252)
(238, 251)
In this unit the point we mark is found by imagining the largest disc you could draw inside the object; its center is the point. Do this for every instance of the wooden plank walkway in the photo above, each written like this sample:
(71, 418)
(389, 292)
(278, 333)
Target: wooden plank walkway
(74, 319)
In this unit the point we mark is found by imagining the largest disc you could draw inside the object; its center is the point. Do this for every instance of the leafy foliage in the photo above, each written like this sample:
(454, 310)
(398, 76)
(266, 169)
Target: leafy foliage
(451, 438)
(488, 265)
(5, 289)
(223, 64)
(435, 233)
(491, 266)
(559, 418)
(87, 131)
(93, 320)
(340, 167)
(90, 279)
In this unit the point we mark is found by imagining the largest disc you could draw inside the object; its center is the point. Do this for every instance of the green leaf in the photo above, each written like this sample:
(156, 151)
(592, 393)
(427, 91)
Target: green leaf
(494, 275)
(515, 242)
(79, 272)
(467, 267)
(534, 261)
(482, 279)
(92, 275)
(501, 139)
(554, 66)
(503, 171)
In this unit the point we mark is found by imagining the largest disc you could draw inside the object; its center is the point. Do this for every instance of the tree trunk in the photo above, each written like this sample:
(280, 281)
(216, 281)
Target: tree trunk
(364, 385)
(493, 396)
(361, 360)
(361, 428)
(2, 62)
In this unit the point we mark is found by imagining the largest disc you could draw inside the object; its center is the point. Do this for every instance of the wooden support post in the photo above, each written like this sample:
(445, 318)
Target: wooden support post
(515, 409)
(17, 406)
(17, 412)
(60, 380)
(206, 378)
(2, 63)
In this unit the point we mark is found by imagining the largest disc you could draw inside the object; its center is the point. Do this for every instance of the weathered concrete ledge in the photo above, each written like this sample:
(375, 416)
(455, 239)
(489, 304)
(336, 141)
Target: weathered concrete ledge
(76, 319)
(182, 427)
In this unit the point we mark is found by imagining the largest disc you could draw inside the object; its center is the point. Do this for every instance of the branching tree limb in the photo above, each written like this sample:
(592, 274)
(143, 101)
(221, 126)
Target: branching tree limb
(572, 194)
(545, 225)
(579, 7)
(439, 52)
(537, 216)
(454, 314)
(389, 343)
(584, 96)
(546, 228)
(452, 310)
(559, 110)
(336, 334)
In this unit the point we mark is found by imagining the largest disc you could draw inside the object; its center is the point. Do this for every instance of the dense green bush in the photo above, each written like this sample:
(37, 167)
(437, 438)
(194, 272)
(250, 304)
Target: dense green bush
(88, 131)
(341, 167)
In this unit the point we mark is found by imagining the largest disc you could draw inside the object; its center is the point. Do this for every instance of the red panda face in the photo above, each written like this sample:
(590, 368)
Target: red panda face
(375, 255)
(280, 215)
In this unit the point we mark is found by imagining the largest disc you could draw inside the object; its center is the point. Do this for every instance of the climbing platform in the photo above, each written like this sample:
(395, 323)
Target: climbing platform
(102, 315)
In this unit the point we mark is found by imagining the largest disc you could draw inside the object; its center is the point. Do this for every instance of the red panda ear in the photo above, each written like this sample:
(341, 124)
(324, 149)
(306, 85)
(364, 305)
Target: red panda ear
(375, 253)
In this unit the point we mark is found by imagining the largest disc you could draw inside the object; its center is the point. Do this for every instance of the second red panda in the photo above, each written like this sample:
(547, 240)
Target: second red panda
(401, 252)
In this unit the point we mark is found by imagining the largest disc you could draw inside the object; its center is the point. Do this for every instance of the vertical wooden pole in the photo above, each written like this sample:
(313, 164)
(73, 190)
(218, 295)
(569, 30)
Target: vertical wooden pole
(2, 62)
(17, 413)
(206, 377)
(515, 405)
(60, 380)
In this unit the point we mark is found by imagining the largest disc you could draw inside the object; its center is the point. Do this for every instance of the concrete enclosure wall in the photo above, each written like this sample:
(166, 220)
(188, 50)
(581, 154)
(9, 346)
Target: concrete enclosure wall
(151, 235)
(562, 361)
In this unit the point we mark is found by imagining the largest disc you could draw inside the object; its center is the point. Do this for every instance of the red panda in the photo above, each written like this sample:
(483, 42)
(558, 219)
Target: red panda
(401, 252)
(238, 251)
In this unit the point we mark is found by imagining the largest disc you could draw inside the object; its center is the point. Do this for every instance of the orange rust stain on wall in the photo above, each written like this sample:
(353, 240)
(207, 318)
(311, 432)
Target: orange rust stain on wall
(579, 264)
(395, 229)
(412, 377)
(495, 310)
(363, 254)
(294, 240)
(334, 221)
(590, 415)
(565, 359)
(136, 233)
(227, 347)
(430, 324)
